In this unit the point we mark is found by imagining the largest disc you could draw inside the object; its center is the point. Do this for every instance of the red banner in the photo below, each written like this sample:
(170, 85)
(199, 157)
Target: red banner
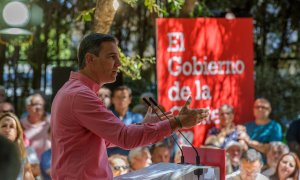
(210, 59)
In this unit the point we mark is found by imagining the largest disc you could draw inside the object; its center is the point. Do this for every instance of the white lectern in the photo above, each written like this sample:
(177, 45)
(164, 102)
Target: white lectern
(170, 171)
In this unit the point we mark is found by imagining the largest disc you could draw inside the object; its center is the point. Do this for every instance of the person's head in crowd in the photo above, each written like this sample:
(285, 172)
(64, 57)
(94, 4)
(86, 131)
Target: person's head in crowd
(105, 96)
(160, 152)
(262, 110)
(226, 115)
(121, 99)
(10, 163)
(2, 94)
(11, 128)
(250, 164)
(276, 150)
(234, 150)
(288, 167)
(118, 164)
(139, 158)
(35, 105)
(6, 107)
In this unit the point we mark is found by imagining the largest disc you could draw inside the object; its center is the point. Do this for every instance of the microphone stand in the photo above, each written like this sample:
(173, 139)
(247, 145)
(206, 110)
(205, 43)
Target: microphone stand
(197, 172)
(182, 157)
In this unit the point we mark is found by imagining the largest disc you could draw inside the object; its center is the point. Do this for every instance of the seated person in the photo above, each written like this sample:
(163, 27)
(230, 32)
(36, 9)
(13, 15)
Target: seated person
(36, 124)
(6, 107)
(234, 152)
(121, 99)
(287, 168)
(105, 96)
(228, 131)
(293, 137)
(160, 152)
(250, 167)
(263, 130)
(139, 158)
(275, 151)
(118, 164)
(45, 164)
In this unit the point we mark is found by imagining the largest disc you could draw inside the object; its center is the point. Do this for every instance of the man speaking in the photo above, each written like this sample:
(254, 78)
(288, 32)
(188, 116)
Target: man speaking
(82, 127)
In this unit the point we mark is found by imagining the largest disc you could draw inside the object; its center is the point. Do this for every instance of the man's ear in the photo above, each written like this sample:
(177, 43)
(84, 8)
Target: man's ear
(88, 58)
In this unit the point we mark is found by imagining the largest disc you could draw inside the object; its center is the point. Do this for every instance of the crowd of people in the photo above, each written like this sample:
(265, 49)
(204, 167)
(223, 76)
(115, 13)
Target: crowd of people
(87, 121)
(254, 150)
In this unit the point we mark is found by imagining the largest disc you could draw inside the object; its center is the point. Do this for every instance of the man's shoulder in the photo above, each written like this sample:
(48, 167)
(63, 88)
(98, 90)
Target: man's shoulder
(274, 123)
(261, 177)
(295, 125)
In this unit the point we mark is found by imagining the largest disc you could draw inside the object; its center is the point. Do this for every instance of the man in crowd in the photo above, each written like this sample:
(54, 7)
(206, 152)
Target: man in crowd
(139, 158)
(160, 152)
(250, 167)
(121, 99)
(6, 107)
(82, 127)
(263, 130)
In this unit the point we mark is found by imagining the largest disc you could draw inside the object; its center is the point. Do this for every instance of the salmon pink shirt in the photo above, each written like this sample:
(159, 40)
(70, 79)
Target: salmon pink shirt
(82, 129)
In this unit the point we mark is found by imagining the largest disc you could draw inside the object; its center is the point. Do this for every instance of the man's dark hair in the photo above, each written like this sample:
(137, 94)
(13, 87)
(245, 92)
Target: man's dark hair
(122, 88)
(92, 44)
(10, 161)
(252, 155)
(159, 145)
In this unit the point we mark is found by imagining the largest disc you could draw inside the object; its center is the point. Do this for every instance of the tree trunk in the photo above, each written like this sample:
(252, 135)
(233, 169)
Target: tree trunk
(104, 15)
(187, 8)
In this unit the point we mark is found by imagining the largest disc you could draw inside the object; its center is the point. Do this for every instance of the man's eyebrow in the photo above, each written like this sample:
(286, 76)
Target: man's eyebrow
(112, 53)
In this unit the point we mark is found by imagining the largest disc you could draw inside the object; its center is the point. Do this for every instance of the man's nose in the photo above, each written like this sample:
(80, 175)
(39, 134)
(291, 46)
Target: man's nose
(118, 62)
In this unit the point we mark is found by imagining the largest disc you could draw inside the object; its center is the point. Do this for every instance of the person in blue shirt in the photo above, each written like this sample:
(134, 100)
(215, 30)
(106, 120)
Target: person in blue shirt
(45, 163)
(262, 130)
(121, 100)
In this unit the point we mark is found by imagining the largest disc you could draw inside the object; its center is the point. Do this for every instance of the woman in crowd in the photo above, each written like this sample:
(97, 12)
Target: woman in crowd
(119, 164)
(228, 131)
(287, 167)
(275, 151)
(11, 128)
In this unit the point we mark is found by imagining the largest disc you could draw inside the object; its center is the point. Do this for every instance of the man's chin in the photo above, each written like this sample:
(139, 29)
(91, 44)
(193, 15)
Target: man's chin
(111, 80)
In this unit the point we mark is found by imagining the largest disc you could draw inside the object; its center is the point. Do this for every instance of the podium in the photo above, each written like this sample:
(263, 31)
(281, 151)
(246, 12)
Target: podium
(208, 157)
(171, 171)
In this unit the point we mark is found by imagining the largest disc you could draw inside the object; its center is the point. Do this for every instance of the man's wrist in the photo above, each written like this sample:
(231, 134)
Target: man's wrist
(174, 125)
(178, 122)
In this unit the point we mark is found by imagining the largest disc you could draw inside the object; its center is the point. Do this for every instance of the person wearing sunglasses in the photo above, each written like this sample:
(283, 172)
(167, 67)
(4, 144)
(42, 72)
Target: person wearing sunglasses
(263, 129)
(119, 164)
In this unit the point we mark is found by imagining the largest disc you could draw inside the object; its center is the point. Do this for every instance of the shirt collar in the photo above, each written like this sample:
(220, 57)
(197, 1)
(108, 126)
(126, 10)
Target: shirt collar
(85, 80)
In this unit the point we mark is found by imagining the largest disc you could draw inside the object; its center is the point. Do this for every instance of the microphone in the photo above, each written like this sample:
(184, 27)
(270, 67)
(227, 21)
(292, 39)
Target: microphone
(182, 157)
(197, 155)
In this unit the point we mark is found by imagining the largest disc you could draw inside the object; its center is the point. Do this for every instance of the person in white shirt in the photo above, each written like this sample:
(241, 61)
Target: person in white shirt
(250, 167)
